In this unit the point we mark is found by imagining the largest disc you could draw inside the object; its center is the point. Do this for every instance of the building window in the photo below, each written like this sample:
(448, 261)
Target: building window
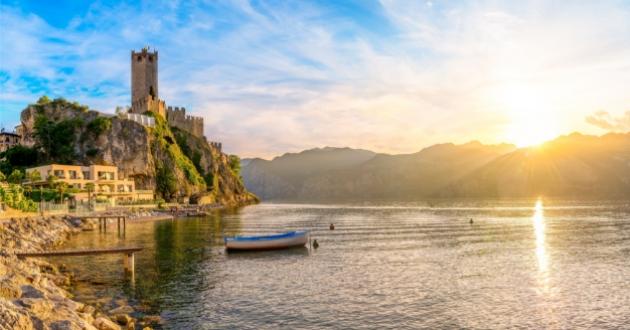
(105, 175)
(86, 175)
(72, 174)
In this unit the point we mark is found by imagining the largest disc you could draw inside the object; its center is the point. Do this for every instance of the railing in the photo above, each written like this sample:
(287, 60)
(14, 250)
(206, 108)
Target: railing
(52, 208)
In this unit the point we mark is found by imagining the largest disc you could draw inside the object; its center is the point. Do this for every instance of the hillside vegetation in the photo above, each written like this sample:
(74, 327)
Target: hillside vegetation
(58, 131)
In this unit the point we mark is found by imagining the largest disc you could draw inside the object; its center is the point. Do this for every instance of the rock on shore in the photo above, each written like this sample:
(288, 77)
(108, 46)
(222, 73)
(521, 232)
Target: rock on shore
(31, 290)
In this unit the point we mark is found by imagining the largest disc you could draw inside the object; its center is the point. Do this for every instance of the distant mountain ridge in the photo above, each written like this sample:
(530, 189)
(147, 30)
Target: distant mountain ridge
(575, 165)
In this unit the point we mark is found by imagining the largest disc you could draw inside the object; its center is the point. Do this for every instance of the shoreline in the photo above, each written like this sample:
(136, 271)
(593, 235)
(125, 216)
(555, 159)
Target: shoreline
(36, 293)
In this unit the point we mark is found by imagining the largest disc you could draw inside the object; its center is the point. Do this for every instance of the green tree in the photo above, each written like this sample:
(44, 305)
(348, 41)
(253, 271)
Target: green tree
(34, 176)
(51, 180)
(19, 157)
(166, 183)
(3, 178)
(61, 188)
(235, 164)
(99, 125)
(55, 139)
(16, 176)
(43, 100)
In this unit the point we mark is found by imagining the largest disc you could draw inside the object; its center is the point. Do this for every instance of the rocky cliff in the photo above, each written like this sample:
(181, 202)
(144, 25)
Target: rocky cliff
(225, 185)
(149, 155)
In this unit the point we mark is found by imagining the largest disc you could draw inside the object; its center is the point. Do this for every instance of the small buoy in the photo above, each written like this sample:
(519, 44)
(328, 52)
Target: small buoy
(332, 226)
(315, 244)
(471, 221)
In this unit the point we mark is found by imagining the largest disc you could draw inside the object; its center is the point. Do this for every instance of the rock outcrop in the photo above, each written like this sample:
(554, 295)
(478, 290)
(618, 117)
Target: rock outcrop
(142, 152)
(225, 187)
(31, 290)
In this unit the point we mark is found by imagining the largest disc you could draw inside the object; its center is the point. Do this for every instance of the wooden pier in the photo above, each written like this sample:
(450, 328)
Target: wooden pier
(121, 221)
(128, 252)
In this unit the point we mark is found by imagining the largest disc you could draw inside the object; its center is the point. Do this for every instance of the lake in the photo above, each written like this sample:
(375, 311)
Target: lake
(521, 264)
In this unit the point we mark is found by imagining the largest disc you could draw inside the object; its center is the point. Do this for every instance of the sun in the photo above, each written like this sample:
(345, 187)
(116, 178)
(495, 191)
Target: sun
(531, 119)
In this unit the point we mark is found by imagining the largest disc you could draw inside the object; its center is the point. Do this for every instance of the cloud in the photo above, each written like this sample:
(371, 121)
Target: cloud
(391, 76)
(606, 121)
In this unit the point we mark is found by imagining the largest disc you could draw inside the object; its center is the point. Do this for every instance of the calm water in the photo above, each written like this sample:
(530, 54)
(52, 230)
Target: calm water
(523, 264)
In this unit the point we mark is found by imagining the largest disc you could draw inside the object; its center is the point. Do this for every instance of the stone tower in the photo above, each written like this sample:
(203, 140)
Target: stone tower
(144, 74)
(144, 83)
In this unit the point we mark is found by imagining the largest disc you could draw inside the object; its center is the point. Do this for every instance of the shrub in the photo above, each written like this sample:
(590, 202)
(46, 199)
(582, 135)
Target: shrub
(43, 100)
(166, 183)
(16, 177)
(56, 139)
(14, 197)
(18, 157)
(99, 125)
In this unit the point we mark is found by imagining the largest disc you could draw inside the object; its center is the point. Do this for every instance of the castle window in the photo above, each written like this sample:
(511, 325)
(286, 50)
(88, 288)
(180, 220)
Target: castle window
(139, 58)
(150, 58)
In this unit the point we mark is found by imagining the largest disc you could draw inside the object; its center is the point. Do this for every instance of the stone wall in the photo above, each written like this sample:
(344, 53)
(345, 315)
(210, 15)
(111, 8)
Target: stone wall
(177, 117)
(216, 145)
(150, 104)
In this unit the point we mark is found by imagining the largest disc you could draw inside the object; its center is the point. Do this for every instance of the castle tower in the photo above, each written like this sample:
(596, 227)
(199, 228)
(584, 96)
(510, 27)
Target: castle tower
(144, 74)
(144, 83)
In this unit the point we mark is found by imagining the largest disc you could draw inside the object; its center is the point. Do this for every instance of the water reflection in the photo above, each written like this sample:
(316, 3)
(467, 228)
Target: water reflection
(523, 267)
(541, 246)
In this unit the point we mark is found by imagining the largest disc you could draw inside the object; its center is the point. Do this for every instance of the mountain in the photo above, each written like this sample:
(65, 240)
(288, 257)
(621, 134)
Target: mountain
(572, 166)
(575, 166)
(283, 177)
(344, 174)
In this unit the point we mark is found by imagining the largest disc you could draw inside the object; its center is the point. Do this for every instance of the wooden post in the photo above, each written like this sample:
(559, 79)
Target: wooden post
(129, 262)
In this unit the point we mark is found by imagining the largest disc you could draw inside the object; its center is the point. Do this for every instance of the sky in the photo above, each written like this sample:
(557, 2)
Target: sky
(391, 76)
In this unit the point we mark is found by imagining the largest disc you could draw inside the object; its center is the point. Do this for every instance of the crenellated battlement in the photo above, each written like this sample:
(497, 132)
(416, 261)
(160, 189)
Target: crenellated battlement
(216, 145)
(149, 104)
(177, 117)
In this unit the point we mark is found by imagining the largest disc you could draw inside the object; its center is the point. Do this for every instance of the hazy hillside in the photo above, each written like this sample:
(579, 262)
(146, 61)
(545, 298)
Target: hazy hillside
(576, 166)
(284, 176)
(348, 174)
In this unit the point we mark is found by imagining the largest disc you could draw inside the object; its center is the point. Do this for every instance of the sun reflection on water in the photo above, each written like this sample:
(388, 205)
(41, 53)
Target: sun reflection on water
(541, 248)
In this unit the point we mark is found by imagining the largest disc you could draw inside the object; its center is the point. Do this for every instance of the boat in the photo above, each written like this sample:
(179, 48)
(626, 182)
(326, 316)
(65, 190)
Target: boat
(267, 242)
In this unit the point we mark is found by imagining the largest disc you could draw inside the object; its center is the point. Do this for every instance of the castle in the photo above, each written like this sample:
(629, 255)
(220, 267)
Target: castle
(145, 97)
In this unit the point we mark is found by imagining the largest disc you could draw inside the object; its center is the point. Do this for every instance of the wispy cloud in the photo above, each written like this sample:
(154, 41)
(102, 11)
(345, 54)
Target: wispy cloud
(606, 121)
(391, 76)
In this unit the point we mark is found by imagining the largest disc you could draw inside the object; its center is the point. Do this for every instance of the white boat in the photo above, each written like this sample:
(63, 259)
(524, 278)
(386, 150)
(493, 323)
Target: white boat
(267, 242)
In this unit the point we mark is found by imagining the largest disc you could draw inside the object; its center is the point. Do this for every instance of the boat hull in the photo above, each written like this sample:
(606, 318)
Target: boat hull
(272, 242)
